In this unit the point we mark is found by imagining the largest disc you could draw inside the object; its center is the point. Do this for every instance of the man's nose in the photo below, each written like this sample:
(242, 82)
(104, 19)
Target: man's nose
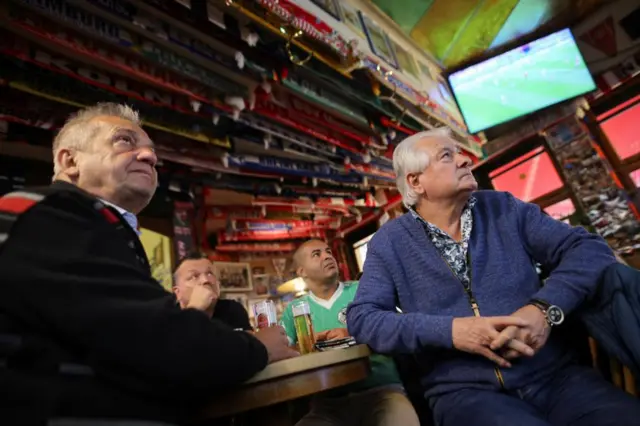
(327, 256)
(463, 160)
(147, 155)
(204, 279)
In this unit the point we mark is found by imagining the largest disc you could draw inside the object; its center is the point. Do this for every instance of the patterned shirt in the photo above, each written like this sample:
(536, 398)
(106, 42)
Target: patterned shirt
(454, 253)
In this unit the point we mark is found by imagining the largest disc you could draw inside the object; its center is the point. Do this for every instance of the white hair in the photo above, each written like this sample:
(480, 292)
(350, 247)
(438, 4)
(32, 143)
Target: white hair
(78, 131)
(407, 159)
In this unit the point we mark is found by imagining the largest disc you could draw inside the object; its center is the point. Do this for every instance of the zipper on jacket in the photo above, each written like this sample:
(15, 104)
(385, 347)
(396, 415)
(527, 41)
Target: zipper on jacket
(474, 307)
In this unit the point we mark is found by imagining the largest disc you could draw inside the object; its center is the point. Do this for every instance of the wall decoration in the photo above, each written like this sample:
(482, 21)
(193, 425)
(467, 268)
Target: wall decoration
(378, 40)
(158, 250)
(425, 71)
(406, 62)
(444, 91)
(279, 265)
(233, 276)
(351, 19)
(261, 284)
(183, 238)
(328, 6)
(241, 298)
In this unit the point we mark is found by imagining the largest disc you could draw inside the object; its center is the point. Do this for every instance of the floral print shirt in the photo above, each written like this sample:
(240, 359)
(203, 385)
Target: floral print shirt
(454, 253)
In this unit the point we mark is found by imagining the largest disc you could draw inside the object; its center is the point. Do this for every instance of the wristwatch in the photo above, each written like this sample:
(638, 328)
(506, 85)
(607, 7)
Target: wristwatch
(552, 313)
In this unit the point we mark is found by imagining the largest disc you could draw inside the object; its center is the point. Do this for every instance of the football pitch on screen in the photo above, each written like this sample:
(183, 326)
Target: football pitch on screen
(532, 82)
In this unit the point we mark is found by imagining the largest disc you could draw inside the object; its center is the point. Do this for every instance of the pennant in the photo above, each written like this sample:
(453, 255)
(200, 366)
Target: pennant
(602, 37)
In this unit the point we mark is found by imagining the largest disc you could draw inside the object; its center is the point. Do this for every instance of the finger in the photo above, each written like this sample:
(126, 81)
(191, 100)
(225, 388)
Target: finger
(521, 347)
(291, 353)
(511, 354)
(492, 356)
(503, 322)
(503, 338)
(322, 335)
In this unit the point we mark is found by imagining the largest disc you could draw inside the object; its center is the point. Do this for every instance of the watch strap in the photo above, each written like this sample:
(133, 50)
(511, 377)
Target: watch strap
(540, 304)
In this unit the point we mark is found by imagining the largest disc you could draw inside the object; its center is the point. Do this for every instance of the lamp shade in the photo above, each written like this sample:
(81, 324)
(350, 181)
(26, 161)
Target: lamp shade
(295, 285)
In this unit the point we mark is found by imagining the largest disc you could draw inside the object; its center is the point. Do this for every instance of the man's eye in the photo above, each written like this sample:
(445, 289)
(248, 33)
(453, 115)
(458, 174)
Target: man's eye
(126, 140)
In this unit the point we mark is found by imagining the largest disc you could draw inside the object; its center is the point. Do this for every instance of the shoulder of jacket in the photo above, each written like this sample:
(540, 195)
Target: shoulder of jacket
(490, 196)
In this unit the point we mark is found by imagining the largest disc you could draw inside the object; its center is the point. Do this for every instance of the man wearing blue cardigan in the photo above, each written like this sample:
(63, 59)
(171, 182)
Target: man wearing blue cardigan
(460, 268)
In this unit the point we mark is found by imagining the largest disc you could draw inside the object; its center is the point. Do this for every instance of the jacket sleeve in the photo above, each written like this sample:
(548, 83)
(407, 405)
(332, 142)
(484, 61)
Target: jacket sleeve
(62, 281)
(574, 257)
(372, 318)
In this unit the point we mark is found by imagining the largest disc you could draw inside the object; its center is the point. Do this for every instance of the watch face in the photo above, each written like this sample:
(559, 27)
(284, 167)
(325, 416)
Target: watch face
(555, 315)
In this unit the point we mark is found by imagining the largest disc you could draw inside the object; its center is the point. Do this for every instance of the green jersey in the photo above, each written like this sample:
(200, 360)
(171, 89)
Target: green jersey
(332, 313)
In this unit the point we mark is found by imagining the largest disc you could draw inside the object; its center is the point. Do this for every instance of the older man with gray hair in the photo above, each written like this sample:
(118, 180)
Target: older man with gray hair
(460, 268)
(86, 333)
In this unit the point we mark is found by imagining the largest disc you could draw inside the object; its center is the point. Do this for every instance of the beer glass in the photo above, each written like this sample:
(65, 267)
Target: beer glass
(304, 327)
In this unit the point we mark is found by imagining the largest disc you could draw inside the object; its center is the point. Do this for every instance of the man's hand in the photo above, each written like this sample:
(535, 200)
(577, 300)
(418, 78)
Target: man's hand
(475, 334)
(535, 335)
(203, 296)
(276, 342)
(333, 334)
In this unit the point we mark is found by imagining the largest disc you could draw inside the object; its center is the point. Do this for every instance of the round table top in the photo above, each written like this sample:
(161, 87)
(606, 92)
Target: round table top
(292, 379)
(310, 361)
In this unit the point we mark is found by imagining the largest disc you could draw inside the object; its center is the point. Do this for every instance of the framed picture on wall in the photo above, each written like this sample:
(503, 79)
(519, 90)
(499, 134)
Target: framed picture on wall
(351, 19)
(328, 6)
(425, 71)
(405, 61)
(378, 40)
(233, 276)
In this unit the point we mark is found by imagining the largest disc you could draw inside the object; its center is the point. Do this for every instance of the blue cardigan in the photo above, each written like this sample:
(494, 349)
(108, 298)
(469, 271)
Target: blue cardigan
(404, 269)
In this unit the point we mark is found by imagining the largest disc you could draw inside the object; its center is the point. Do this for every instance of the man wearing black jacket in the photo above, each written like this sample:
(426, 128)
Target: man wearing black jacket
(196, 286)
(85, 331)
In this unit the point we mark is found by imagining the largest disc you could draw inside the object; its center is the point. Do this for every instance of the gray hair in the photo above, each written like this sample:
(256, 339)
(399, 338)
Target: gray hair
(76, 132)
(407, 159)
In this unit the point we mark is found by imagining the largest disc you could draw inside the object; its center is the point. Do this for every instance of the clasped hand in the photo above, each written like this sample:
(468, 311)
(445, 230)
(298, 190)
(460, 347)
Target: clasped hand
(501, 339)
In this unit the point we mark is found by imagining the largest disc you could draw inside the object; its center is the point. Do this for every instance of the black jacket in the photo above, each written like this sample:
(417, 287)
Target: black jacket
(233, 314)
(86, 331)
(612, 316)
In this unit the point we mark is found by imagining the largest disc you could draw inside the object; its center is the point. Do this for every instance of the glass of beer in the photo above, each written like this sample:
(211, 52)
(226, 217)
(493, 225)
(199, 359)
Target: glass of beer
(304, 327)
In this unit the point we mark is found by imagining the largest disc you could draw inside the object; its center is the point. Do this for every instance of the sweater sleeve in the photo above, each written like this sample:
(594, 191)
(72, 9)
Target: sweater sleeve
(59, 278)
(574, 257)
(372, 318)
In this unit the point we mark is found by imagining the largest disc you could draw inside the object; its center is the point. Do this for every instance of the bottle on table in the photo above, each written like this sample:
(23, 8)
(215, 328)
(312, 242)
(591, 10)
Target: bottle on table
(265, 314)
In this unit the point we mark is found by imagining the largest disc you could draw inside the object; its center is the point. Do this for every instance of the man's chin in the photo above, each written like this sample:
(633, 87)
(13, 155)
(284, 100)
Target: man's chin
(332, 272)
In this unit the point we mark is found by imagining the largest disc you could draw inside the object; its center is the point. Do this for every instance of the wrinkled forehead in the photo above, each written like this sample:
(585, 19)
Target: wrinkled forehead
(433, 145)
(313, 247)
(113, 124)
(195, 265)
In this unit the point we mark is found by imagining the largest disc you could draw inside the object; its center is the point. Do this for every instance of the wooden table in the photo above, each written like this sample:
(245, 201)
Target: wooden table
(293, 378)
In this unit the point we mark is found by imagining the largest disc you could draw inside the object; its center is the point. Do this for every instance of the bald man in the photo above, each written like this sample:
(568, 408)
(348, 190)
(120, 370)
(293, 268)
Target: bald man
(378, 400)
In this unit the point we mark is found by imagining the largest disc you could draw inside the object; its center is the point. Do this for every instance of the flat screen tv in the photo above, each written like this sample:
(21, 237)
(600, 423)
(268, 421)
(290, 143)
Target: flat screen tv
(534, 76)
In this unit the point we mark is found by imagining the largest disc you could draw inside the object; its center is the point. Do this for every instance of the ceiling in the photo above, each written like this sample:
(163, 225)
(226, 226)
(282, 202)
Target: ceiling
(454, 31)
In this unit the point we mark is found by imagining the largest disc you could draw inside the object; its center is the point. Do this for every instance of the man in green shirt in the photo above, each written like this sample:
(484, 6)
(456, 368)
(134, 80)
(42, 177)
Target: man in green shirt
(378, 400)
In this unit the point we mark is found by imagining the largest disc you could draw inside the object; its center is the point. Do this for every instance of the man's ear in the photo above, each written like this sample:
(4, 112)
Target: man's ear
(300, 272)
(413, 181)
(67, 160)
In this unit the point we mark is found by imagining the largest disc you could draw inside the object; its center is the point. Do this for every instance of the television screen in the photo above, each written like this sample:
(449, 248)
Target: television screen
(529, 78)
